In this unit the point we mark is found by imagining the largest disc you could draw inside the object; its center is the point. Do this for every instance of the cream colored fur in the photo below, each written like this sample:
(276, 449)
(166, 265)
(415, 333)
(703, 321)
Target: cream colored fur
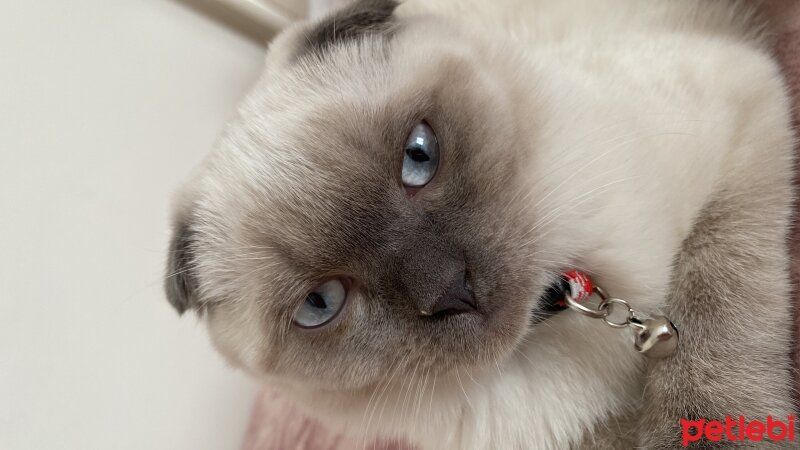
(643, 121)
(639, 111)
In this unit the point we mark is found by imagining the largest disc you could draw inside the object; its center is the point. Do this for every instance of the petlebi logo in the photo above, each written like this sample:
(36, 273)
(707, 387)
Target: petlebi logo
(738, 430)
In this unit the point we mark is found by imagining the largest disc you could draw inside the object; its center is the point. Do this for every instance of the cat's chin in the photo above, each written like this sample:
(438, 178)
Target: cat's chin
(396, 410)
(470, 346)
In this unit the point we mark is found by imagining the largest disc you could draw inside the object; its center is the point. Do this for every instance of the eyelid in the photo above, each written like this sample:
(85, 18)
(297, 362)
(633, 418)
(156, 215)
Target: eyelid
(348, 285)
(411, 191)
(415, 174)
(334, 321)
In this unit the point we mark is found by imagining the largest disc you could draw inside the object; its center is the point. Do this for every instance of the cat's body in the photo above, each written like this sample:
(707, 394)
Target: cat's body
(651, 147)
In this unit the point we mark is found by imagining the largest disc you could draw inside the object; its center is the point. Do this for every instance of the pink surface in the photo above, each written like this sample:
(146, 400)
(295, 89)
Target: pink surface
(276, 425)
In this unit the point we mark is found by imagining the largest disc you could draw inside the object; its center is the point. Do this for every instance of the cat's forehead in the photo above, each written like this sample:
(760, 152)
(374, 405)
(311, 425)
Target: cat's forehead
(297, 184)
(325, 121)
(312, 164)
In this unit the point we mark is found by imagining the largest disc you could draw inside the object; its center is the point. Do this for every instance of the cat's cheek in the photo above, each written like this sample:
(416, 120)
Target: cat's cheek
(240, 337)
(505, 329)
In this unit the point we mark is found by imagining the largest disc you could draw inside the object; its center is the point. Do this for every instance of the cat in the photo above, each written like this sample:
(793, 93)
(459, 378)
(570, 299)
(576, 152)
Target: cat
(375, 229)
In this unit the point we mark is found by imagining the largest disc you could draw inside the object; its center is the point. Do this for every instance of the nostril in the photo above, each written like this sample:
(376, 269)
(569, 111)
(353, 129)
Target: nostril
(467, 283)
(457, 297)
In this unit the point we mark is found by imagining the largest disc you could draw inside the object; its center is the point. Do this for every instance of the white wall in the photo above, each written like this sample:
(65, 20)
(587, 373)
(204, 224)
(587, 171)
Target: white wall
(105, 105)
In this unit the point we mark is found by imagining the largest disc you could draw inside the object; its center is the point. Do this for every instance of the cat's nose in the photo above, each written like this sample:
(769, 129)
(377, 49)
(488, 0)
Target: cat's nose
(457, 298)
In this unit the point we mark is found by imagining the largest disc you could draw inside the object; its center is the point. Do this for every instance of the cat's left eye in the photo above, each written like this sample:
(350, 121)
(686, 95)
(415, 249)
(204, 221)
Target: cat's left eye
(321, 305)
(421, 157)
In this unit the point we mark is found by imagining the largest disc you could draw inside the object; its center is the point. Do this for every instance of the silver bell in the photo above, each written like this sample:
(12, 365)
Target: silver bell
(656, 337)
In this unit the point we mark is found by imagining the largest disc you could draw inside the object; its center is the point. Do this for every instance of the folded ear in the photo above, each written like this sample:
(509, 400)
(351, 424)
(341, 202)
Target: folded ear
(179, 283)
(358, 19)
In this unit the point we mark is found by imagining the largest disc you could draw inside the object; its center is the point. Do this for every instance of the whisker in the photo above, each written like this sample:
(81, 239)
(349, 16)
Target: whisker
(433, 390)
(461, 385)
(383, 391)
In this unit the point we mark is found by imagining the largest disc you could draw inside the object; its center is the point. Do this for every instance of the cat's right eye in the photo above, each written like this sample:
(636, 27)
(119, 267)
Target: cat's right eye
(321, 305)
(421, 157)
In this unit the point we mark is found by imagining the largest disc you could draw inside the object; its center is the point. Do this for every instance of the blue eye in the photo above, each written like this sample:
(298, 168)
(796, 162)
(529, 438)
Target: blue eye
(421, 156)
(321, 305)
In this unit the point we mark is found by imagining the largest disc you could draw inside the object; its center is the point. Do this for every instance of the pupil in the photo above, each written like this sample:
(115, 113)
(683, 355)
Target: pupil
(316, 301)
(418, 155)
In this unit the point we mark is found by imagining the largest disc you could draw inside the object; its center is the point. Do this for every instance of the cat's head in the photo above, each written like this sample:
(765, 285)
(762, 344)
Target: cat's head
(367, 214)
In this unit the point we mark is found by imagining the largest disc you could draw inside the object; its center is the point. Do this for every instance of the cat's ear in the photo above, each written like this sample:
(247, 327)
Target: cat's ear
(179, 282)
(357, 19)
